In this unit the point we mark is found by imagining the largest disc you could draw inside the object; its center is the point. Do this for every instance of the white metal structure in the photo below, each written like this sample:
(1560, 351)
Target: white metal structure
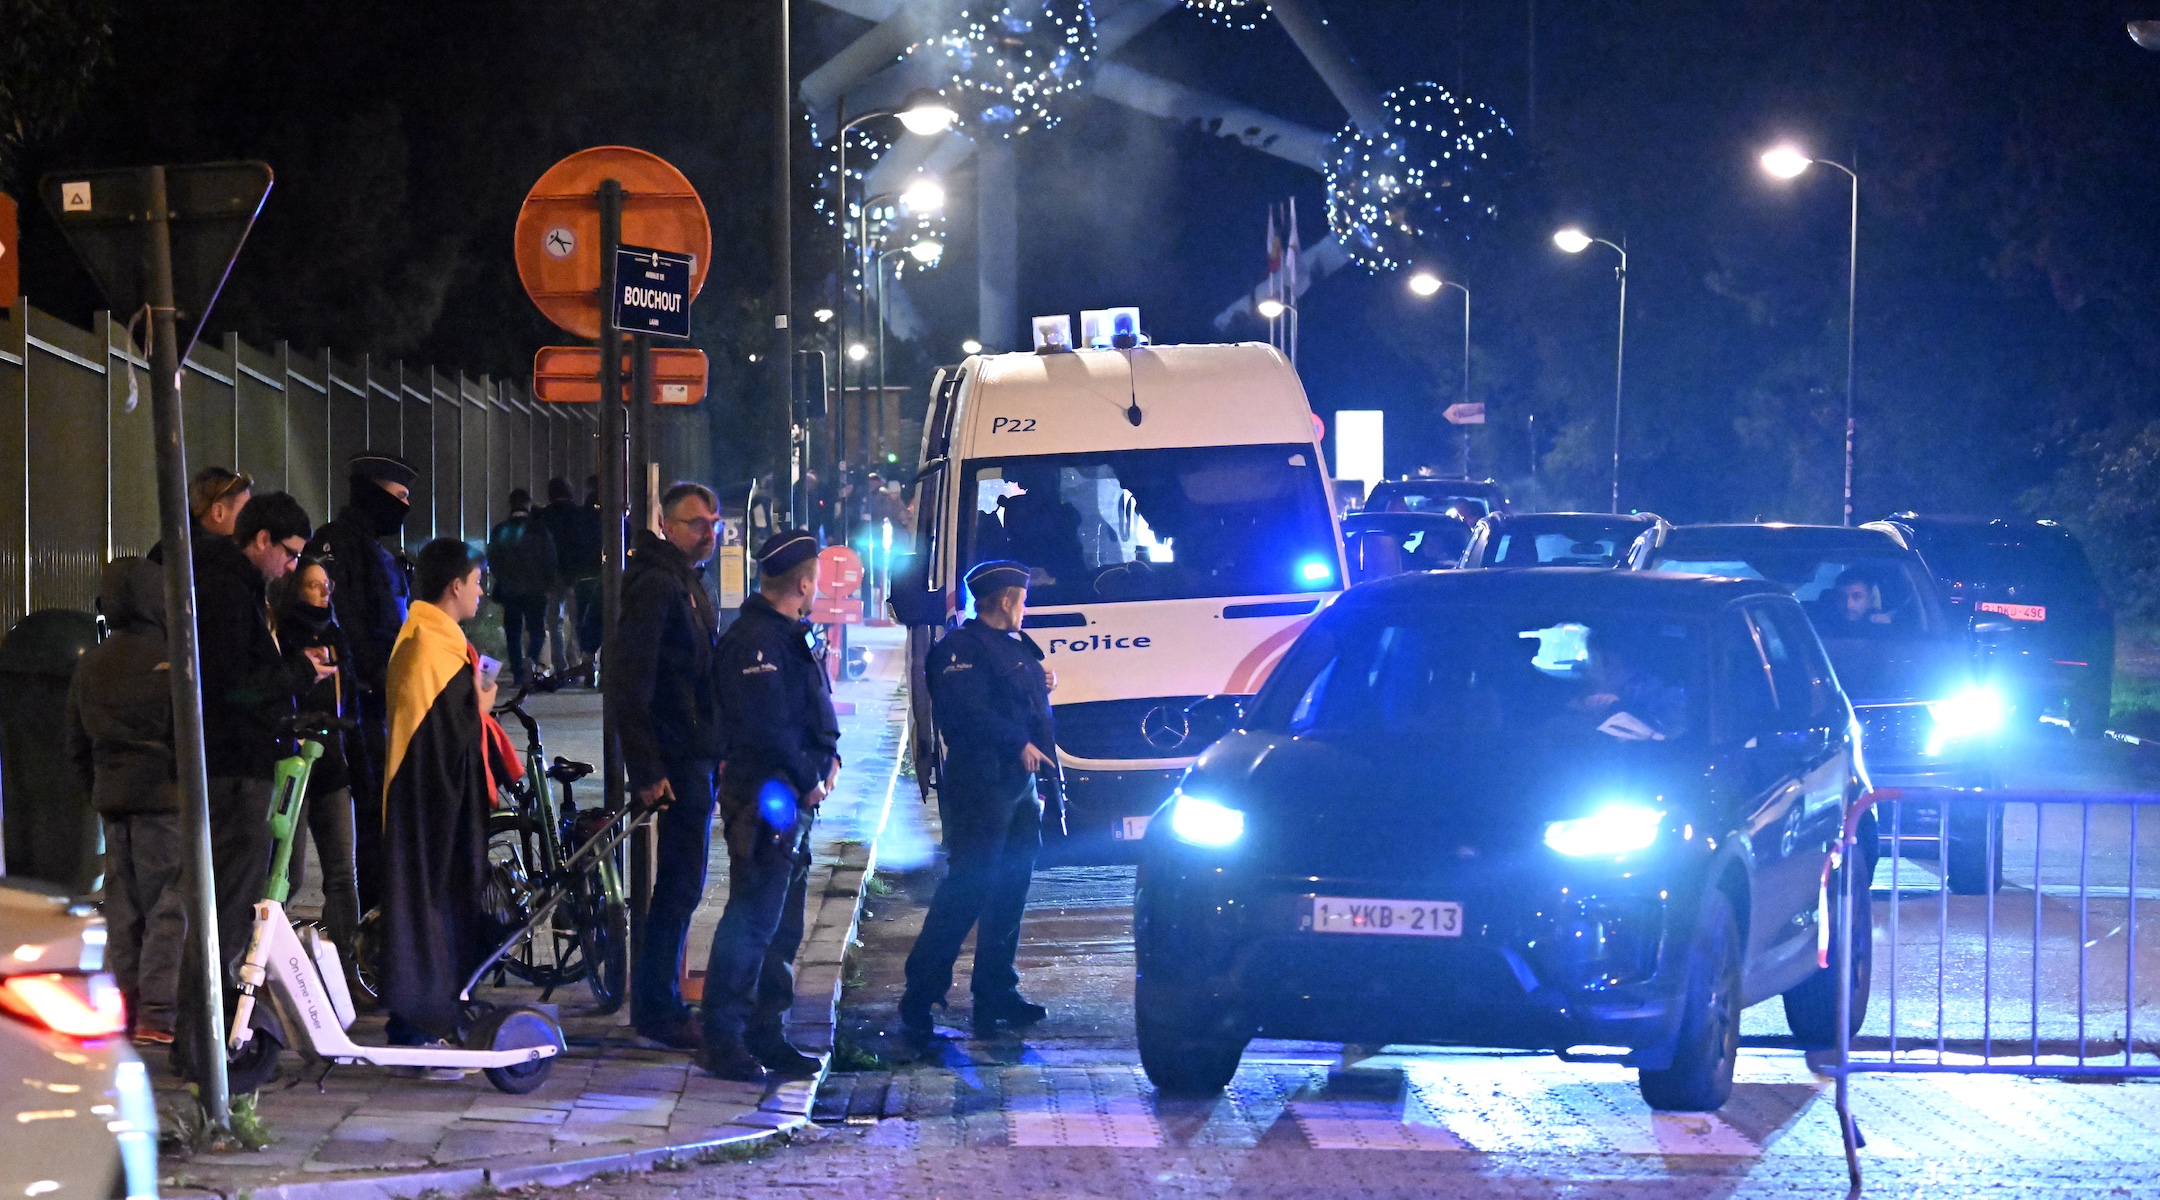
(1172, 502)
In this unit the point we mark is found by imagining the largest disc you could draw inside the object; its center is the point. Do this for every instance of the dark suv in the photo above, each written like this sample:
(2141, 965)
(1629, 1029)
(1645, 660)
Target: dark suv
(2035, 608)
(1908, 666)
(1554, 809)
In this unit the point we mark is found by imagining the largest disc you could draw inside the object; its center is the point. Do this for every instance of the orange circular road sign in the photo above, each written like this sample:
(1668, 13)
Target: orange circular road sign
(558, 228)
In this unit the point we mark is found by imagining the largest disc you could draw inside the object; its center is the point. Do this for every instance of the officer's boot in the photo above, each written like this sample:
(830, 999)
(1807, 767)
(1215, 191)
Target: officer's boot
(725, 1055)
(915, 1018)
(1010, 1009)
(778, 1055)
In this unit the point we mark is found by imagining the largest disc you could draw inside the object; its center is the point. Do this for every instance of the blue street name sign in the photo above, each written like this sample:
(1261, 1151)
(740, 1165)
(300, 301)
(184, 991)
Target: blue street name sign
(652, 291)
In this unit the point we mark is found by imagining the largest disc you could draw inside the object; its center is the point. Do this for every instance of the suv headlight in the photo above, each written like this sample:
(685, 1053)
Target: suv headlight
(1202, 822)
(1613, 830)
(1975, 712)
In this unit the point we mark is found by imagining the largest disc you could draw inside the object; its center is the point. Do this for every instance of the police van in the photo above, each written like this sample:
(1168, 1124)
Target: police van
(1172, 502)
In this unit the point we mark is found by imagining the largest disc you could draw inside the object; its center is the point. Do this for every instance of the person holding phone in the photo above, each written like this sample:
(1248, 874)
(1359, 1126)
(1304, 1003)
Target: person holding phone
(308, 631)
(435, 801)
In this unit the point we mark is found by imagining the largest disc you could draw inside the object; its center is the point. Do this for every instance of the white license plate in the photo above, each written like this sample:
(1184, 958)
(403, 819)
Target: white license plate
(1132, 829)
(1394, 918)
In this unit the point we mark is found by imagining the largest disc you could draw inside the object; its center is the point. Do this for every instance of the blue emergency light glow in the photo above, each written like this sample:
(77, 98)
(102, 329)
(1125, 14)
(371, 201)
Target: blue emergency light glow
(776, 803)
(1315, 570)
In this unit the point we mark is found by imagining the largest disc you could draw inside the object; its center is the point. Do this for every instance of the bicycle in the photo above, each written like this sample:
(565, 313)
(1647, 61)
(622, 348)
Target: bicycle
(585, 933)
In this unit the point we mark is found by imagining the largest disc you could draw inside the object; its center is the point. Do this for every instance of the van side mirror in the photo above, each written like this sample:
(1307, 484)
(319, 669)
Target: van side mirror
(1210, 717)
(912, 600)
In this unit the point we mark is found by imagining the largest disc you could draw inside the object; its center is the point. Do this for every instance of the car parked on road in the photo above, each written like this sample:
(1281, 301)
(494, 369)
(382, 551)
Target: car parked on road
(1466, 499)
(2035, 608)
(1928, 718)
(1566, 539)
(1379, 544)
(78, 1120)
(1556, 809)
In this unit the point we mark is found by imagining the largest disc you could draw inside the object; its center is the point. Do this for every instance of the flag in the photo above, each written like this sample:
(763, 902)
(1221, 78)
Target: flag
(1274, 248)
(1293, 266)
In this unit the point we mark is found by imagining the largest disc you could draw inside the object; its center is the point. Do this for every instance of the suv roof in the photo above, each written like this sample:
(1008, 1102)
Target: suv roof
(1661, 591)
(1811, 536)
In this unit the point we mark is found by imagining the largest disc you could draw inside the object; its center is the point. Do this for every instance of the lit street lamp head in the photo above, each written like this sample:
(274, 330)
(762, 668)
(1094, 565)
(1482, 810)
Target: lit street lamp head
(856, 352)
(1270, 308)
(823, 315)
(1572, 240)
(924, 195)
(926, 113)
(1786, 162)
(971, 346)
(1424, 283)
(926, 251)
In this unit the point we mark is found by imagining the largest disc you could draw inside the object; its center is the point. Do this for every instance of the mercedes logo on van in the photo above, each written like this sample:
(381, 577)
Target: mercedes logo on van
(1165, 727)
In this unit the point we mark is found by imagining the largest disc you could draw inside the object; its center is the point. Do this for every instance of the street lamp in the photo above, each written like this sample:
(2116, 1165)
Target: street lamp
(1575, 241)
(856, 352)
(1787, 162)
(1271, 308)
(971, 346)
(924, 195)
(1425, 284)
(925, 251)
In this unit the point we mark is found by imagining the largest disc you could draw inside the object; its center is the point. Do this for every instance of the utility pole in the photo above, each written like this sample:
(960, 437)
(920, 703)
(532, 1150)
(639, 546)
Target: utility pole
(784, 263)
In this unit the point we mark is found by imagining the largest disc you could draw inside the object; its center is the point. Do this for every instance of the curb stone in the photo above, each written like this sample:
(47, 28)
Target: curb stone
(784, 1109)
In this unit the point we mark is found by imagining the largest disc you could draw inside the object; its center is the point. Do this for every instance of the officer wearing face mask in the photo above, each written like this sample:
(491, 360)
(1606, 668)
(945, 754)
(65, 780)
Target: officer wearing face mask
(371, 586)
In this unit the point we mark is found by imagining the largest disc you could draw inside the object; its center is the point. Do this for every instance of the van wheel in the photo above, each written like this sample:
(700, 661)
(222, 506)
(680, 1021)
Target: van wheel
(1811, 1008)
(1178, 1061)
(1701, 1074)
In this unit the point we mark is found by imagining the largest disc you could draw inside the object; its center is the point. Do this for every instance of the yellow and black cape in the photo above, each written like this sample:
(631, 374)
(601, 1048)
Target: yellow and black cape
(435, 805)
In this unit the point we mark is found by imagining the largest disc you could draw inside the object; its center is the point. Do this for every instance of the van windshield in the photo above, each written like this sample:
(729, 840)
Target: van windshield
(1178, 523)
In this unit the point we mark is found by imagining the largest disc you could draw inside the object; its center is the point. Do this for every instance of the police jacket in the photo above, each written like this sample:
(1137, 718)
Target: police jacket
(660, 663)
(372, 593)
(990, 699)
(776, 712)
(249, 688)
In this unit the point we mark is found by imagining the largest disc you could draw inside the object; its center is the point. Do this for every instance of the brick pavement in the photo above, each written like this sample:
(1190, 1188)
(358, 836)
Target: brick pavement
(607, 1105)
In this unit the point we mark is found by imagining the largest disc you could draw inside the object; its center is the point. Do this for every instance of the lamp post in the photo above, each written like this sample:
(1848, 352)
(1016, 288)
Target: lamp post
(924, 112)
(1425, 285)
(1787, 162)
(1272, 310)
(1575, 241)
(924, 252)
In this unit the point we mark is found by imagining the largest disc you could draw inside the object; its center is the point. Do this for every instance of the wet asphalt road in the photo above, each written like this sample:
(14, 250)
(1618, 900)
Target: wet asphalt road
(1065, 1109)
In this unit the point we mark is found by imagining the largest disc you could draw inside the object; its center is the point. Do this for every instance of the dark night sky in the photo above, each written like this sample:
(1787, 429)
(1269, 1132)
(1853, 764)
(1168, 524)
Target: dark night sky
(2008, 270)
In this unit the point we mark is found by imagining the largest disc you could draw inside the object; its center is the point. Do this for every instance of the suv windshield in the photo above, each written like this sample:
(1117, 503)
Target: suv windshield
(1465, 677)
(1167, 524)
(1848, 591)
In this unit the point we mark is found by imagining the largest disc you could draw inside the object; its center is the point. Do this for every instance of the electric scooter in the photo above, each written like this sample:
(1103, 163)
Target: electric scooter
(310, 1008)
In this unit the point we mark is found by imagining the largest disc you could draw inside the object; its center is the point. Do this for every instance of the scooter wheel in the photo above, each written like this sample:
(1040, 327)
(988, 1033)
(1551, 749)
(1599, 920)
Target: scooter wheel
(254, 1066)
(518, 1027)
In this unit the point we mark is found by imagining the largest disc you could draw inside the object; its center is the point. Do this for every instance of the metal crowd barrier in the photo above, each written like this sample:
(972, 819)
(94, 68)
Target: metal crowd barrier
(1982, 971)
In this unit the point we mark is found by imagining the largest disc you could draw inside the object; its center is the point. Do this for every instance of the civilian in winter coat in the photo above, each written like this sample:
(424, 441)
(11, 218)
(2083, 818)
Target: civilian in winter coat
(119, 735)
(307, 621)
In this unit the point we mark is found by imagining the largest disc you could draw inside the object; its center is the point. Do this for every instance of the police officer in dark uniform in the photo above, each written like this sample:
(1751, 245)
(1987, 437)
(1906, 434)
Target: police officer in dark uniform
(991, 700)
(781, 751)
(371, 590)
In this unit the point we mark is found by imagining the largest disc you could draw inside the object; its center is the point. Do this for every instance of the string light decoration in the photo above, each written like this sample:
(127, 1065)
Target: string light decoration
(1009, 62)
(1241, 15)
(1433, 174)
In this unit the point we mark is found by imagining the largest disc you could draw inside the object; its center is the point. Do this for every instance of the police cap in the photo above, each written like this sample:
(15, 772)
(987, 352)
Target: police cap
(786, 550)
(383, 468)
(990, 578)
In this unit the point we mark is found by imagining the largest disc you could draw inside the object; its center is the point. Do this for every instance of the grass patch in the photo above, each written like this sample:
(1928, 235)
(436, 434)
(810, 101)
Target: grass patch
(849, 1055)
(877, 887)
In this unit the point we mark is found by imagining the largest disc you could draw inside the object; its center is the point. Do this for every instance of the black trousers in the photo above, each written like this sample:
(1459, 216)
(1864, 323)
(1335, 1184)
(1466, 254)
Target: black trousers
(240, 861)
(750, 978)
(988, 870)
(682, 835)
(365, 750)
(524, 631)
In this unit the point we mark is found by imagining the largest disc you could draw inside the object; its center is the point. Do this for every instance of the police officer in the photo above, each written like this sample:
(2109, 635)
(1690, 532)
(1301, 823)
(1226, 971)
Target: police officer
(781, 756)
(990, 697)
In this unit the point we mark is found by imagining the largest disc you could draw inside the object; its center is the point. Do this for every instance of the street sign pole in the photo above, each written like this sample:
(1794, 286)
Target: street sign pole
(641, 401)
(611, 474)
(182, 652)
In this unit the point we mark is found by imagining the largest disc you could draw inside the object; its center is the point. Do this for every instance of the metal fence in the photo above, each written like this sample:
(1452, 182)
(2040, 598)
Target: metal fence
(77, 476)
(2038, 977)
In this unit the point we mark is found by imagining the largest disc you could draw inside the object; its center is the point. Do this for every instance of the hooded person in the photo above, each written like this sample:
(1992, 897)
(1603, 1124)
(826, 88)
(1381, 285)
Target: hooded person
(436, 798)
(370, 592)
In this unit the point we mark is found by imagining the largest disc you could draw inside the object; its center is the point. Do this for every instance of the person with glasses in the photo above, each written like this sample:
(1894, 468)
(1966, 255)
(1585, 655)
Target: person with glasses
(660, 683)
(249, 697)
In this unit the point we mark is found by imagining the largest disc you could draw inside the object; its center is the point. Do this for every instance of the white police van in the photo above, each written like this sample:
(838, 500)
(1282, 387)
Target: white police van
(1172, 502)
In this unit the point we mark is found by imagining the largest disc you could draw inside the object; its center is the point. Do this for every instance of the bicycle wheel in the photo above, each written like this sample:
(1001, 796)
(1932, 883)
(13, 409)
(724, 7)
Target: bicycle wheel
(606, 946)
(518, 874)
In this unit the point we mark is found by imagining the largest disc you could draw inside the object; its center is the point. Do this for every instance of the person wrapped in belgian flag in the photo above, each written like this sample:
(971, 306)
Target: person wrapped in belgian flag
(436, 797)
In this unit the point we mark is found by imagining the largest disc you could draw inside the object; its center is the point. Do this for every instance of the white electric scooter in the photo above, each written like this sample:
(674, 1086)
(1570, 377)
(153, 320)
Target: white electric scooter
(310, 1006)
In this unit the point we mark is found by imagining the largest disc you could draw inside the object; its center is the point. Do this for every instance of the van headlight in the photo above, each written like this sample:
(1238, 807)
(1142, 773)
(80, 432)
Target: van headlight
(1202, 822)
(1975, 712)
(1611, 831)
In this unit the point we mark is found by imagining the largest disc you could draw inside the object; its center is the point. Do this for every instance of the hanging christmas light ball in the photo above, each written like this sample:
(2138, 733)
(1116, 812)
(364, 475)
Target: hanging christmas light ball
(1231, 14)
(1008, 63)
(1433, 174)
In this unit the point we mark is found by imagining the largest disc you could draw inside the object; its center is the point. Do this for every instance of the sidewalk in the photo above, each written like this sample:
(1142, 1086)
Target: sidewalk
(608, 1106)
